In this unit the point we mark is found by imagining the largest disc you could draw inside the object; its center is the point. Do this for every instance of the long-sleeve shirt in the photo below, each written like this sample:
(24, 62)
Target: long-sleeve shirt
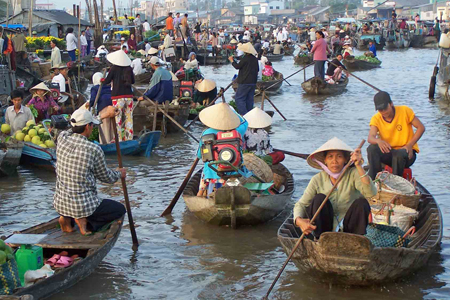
(88, 35)
(191, 64)
(83, 40)
(248, 69)
(161, 86)
(55, 58)
(320, 50)
(131, 44)
(43, 106)
(169, 23)
(120, 89)
(104, 99)
(80, 163)
(349, 189)
(71, 42)
(19, 42)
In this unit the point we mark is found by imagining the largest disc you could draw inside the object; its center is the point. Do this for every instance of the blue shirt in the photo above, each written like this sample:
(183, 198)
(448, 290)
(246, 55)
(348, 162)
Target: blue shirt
(161, 86)
(208, 173)
(373, 49)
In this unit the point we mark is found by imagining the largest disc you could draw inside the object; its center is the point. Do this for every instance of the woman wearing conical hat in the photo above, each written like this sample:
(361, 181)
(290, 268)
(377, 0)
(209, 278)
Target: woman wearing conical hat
(103, 102)
(205, 91)
(218, 117)
(43, 102)
(122, 78)
(347, 208)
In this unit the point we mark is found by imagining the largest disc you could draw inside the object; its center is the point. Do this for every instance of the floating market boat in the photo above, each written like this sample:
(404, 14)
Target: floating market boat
(36, 156)
(424, 41)
(355, 64)
(10, 153)
(318, 86)
(351, 259)
(303, 60)
(238, 203)
(397, 40)
(274, 85)
(443, 76)
(275, 57)
(143, 78)
(211, 60)
(91, 249)
(289, 50)
(143, 145)
(361, 41)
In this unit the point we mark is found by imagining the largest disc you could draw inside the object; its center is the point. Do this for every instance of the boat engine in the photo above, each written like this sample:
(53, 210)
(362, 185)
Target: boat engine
(186, 89)
(225, 146)
(54, 89)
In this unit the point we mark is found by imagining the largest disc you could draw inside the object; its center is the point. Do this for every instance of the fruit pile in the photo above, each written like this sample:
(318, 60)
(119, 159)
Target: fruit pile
(5, 253)
(33, 133)
(369, 59)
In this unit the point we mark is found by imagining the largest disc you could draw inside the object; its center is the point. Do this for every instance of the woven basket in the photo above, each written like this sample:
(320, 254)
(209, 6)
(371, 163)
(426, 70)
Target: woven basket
(258, 167)
(396, 190)
(401, 216)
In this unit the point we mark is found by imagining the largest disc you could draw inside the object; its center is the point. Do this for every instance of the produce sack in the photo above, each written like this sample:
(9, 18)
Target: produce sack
(9, 277)
(388, 236)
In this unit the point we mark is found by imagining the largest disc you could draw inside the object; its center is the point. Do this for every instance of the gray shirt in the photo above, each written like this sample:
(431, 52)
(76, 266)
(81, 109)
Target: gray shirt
(17, 121)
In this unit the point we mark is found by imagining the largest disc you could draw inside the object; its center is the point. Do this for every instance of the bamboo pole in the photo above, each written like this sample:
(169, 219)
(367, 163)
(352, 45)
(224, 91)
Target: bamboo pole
(7, 13)
(79, 39)
(115, 12)
(30, 19)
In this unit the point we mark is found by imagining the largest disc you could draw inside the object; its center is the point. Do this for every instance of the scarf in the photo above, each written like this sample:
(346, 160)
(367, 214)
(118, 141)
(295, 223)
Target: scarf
(325, 168)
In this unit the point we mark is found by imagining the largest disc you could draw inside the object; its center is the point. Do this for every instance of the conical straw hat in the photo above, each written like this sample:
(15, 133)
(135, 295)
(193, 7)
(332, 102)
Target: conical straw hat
(233, 41)
(206, 85)
(40, 86)
(152, 51)
(247, 48)
(174, 78)
(142, 52)
(333, 144)
(220, 117)
(257, 118)
(119, 58)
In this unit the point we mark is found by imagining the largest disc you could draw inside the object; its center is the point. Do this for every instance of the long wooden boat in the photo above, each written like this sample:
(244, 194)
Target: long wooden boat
(303, 60)
(397, 40)
(353, 64)
(238, 202)
(33, 155)
(275, 57)
(10, 153)
(143, 145)
(274, 85)
(352, 259)
(424, 41)
(361, 41)
(317, 86)
(211, 60)
(92, 249)
(143, 78)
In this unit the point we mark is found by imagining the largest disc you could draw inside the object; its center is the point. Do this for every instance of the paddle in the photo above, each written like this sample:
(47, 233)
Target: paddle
(273, 105)
(312, 222)
(124, 188)
(363, 81)
(304, 156)
(174, 201)
(432, 88)
(98, 93)
(71, 96)
(168, 116)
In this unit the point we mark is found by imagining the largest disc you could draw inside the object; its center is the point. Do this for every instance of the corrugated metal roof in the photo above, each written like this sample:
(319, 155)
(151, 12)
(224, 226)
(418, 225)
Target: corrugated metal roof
(59, 16)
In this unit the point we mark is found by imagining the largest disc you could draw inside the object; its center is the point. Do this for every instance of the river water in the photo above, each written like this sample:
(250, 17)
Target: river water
(180, 257)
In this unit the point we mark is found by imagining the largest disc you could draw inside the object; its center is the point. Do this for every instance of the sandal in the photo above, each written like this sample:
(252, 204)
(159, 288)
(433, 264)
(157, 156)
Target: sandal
(54, 259)
(65, 261)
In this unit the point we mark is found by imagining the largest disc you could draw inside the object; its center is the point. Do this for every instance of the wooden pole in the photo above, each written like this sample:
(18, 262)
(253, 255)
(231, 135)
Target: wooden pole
(312, 221)
(273, 105)
(88, 7)
(363, 81)
(7, 13)
(124, 187)
(102, 18)
(301, 155)
(30, 19)
(115, 12)
(79, 39)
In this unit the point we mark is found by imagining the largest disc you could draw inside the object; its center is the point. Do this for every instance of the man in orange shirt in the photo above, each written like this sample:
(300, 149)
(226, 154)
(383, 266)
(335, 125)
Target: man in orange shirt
(392, 138)
(169, 24)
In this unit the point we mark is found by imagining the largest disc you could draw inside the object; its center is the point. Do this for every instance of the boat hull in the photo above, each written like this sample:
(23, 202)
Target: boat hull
(36, 156)
(359, 65)
(144, 145)
(211, 60)
(317, 86)
(274, 85)
(10, 158)
(275, 57)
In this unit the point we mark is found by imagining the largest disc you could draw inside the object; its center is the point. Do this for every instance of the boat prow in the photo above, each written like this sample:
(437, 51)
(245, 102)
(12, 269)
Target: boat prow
(318, 86)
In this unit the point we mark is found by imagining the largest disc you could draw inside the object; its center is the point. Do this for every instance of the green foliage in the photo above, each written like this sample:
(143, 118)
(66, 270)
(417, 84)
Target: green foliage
(34, 111)
(94, 135)
(368, 59)
(152, 34)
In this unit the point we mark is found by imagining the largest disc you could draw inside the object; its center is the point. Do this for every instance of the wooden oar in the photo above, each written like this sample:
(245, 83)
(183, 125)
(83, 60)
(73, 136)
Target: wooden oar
(71, 96)
(93, 108)
(174, 201)
(124, 187)
(363, 81)
(168, 116)
(312, 221)
(432, 88)
(304, 156)
(273, 105)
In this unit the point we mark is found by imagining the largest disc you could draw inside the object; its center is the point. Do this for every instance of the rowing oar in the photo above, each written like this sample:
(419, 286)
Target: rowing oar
(312, 222)
(221, 92)
(124, 188)
(169, 117)
(432, 88)
(363, 81)
(273, 105)
(98, 93)
(304, 156)
(174, 201)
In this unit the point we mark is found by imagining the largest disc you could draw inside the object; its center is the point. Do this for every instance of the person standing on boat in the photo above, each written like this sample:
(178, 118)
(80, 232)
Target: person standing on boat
(320, 50)
(71, 44)
(103, 102)
(55, 59)
(347, 208)
(17, 115)
(161, 85)
(122, 78)
(248, 67)
(84, 43)
(80, 164)
(392, 138)
(169, 24)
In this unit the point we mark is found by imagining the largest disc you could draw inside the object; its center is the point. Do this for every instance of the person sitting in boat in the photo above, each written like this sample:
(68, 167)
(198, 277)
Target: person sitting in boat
(136, 64)
(161, 85)
(268, 72)
(373, 48)
(348, 51)
(309, 46)
(80, 164)
(54, 71)
(43, 102)
(218, 117)
(347, 39)
(101, 51)
(205, 91)
(334, 71)
(191, 63)
(62, 79)
(392, 138)
(347, 208)
(103, 102)
(17, 115)
(277, 48)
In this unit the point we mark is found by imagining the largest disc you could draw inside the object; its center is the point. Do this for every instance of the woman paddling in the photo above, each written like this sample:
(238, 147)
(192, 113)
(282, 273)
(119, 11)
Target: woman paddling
(347, 207)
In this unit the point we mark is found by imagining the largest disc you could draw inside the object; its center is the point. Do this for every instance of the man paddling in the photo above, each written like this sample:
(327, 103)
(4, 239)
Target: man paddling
(396, 143)
(161, 85)
(80, 164)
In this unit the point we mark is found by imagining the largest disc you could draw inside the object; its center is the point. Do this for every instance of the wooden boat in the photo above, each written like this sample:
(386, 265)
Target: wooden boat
(211, 60)
(353, 64)
(397, 40)
(143, 78)
(143, 145)
(247, 208)
(424, 41)
(28, 78)
(303, 60)
(36, 156)
(362, 41)
(261, 85)
(317, 86)
(10, 153)
(92, 249)
(351, 259)
(274, 57)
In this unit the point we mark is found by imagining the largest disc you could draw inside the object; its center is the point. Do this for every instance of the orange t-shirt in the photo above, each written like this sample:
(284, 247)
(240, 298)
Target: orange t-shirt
(398, 132)
(169, 23)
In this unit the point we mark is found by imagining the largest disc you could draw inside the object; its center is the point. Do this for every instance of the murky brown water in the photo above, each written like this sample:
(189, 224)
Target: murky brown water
(180, 257)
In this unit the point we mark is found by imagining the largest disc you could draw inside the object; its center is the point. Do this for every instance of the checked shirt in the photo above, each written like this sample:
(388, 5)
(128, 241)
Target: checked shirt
(79, 164)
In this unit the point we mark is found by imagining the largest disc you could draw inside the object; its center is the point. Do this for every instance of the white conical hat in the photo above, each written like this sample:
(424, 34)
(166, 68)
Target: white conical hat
(257, 118)
(96, 78)
(174, 78)
(40, 86)
(233, 41)
(152, 51)
(206, 85)
(247, 48)
(119, 58)
(142, 52)
(333, 144)
(220, 117)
